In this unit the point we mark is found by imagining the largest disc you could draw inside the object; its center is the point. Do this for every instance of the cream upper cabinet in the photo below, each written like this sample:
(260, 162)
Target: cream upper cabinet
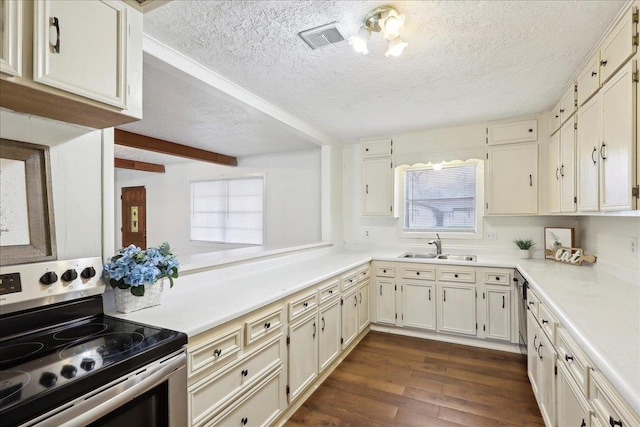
(509, 133)
(512, 179)
(554, 170)
(419, 305)
(618, 148)
(378, 187)
(589, 79)
(564, 109)
(619, 45)
(377, 148)
(567, 167)
(81, 47)
(11, 43)
(589, 137)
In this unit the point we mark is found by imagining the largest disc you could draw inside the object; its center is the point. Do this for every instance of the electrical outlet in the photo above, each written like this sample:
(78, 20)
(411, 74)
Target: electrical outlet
(634, 245)
(367, 233)
(491, 235)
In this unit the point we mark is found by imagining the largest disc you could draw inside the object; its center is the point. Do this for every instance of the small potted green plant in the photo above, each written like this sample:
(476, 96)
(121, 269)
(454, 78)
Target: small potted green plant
(524, 245)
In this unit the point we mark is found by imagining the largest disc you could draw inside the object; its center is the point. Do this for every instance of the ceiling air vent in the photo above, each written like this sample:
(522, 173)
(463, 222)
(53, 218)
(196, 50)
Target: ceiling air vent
(322, 36)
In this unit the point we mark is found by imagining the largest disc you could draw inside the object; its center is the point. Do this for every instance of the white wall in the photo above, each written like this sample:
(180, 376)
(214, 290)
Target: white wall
(609, 238)
(292, 210)
(76, 175)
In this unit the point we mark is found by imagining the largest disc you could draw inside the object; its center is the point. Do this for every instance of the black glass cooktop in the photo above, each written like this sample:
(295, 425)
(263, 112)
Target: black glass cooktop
(42, 369)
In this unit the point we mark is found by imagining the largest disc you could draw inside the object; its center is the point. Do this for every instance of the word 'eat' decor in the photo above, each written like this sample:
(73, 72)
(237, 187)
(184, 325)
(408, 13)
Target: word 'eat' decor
(573, 256)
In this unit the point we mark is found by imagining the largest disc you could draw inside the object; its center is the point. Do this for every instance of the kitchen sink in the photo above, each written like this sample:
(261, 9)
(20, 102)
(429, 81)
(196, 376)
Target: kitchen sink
(417, 255)
(450, 257)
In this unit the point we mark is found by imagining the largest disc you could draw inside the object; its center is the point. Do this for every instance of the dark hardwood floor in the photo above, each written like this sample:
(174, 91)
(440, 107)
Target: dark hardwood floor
(391, 380)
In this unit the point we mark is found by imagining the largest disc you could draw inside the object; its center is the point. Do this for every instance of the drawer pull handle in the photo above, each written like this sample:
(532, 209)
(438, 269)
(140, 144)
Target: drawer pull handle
(429, 294)
(267, 325)
(444, 295)
(593, 153)
(544, 321)
(381, 290)
(455, 275)
(613, 422)
(314, 329)
(540, 351)
(323, 324)
(530, 181)
(360, 298)
(535, 337)
(355, 297)
(244, 421)
(56, 23)
(584, 424)
(568, 358)
(602, 151)
(502, 301)
(245, 372)
(217, 352)
(306, 304)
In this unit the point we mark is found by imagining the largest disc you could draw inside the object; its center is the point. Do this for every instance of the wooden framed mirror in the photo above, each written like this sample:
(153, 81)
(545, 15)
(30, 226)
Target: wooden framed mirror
(27, 232)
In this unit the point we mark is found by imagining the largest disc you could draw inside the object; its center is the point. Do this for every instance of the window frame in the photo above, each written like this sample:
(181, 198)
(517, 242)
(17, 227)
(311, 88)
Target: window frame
(400, 201)
(264, 210)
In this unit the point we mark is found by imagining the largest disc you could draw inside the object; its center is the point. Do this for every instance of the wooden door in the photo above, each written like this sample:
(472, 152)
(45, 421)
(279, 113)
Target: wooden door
(134, 216)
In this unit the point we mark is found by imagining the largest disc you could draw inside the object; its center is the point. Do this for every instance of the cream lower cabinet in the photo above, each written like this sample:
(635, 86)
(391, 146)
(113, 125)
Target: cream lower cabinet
(457, 308)
(303, 354)
(329, 334)
(349, 310)
(496, 323)
(573, 408)
(385, 300)
(541, 362)
(419, 304)
(364, 305)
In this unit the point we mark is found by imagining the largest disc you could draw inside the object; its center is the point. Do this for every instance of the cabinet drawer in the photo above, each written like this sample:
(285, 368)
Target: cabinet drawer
(303, 305)
(208, 395)
(533, 302)
(589, 79)
(349, 281)
(498, 278)
(264, 326)
(259, 407)
(573, 359)
(608, 405)
(216, 352)
(456, 275)
(377, 148)
(364, 273)
(419, 273)
(385, 271)
(508, 133)
(329, 291)
(548, 322)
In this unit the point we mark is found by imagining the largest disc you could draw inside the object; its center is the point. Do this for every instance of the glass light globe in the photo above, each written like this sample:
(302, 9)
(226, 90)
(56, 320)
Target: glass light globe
(359, 41)
(390, 24)
(396, 47)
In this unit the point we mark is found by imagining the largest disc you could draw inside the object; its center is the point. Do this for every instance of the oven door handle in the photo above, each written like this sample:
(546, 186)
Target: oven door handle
(116, 395)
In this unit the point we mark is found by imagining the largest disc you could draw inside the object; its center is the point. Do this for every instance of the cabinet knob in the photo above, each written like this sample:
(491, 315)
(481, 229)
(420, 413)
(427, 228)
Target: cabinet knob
(366, 149)
(593, 74)
(417, 273)
(217, 352)
(245, 372)
(544, 321)
(455, 275)
(267, 325)
(530, 130)
(244, 421)
(557, 116)
(613, 422)
(562, 110)
(384, 271)
(305, 305)
(603, 62)
(497, 278)
(568, 358)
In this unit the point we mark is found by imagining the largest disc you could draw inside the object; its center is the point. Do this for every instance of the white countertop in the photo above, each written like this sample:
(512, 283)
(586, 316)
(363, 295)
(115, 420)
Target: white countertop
(601, 311)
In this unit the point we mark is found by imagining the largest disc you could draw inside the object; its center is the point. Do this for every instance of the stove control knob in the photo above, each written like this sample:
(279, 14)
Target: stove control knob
(48, 379)
(87, 364)
(70, 275)
(88, 272)
(69, 371)
(49, 278)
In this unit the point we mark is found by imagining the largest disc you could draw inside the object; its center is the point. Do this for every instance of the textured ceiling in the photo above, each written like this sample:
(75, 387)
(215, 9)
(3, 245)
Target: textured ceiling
(466, 60)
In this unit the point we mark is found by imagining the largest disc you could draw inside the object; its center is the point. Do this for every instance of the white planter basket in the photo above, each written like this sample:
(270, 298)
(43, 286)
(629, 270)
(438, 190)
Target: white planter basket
(126, 302)
(525, 254)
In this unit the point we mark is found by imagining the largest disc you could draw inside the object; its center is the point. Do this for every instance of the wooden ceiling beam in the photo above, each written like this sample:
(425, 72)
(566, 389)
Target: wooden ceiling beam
(138, 166)
(148, 143)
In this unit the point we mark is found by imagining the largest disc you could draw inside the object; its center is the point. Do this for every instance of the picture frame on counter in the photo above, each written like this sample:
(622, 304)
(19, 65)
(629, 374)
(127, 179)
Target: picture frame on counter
(558, 237)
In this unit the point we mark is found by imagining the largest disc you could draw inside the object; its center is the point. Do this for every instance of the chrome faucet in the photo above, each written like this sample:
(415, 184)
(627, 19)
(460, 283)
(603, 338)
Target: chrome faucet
(438, 244)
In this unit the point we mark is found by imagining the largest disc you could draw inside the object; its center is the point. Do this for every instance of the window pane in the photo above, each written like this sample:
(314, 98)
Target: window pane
(441, 200)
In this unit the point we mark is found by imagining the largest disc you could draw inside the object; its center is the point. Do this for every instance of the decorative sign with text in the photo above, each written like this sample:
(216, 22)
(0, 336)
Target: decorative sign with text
(573, 256)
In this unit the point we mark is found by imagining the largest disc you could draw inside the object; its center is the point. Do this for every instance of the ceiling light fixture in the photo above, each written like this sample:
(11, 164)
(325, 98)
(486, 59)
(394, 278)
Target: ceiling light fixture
(384, 20)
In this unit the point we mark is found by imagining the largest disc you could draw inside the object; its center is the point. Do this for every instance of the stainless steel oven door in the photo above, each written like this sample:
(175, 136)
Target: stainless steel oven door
(155, 394)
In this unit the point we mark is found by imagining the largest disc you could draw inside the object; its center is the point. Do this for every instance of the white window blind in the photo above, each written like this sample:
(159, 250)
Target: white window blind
(440, 200)
(228, 211)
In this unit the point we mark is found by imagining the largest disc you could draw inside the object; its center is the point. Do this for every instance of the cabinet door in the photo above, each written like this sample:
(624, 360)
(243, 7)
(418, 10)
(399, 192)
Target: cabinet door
(589, 79)
(619, 45)
(573, 408)
(512, 178)
(349, 306)
(617, 152)
(419, 305)
(555, 118)
(303, 354)
(498, 318)
(378, 187)
(81, 47)
(11, 43)
(364, 312)
(457, 309)
(386, 302)
(377, 148)
(588, 142)
(567, 167)
(546, 379)
(329, 342)
(568, 103)
(509, 133)
(554, 169)
(533, 340)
